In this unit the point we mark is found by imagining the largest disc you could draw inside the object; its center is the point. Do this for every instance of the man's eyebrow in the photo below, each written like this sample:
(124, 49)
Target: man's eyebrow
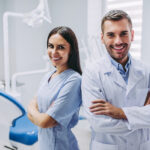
(108, 33)
(125, 31)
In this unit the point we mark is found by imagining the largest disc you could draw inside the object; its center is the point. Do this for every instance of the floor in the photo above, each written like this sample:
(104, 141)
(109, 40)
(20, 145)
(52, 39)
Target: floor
(82, 133)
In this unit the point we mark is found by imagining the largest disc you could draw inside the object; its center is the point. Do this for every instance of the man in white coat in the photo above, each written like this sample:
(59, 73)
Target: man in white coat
(115, 91)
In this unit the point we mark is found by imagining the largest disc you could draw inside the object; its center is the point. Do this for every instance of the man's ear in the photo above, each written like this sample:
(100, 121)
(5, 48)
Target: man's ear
(132, 35)
(102, 37)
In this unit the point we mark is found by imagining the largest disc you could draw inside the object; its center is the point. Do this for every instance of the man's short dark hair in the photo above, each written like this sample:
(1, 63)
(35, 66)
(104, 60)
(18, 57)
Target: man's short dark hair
(115, 15)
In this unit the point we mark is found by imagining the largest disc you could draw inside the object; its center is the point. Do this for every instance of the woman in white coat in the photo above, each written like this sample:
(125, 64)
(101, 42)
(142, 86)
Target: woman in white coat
(115, 91)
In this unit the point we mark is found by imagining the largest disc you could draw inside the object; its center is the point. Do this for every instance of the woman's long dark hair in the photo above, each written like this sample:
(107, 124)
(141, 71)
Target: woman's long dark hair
(69, 36)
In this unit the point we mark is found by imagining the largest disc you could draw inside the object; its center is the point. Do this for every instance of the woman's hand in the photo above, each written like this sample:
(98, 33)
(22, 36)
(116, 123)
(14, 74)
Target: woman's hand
(32, 107)
(42, 120)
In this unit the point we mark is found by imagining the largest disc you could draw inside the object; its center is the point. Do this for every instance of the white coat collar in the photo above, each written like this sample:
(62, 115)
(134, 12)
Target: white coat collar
(136, 73)
(111, 71)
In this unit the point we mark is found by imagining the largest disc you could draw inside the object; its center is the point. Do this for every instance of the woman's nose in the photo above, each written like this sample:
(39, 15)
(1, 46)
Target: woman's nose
(54, 51)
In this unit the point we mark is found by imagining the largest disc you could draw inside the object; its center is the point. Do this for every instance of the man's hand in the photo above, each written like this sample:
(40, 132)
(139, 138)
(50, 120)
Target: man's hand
(101, 107)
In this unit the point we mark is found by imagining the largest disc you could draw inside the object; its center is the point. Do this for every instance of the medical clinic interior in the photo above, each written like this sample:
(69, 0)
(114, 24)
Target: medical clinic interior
(24, 27)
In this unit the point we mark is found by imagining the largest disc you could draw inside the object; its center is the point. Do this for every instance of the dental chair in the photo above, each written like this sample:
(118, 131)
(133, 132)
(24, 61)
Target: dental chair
(16, 131)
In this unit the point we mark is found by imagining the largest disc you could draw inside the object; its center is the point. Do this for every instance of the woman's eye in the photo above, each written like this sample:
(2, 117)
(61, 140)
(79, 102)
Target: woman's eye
(50, 46)
(60, 47)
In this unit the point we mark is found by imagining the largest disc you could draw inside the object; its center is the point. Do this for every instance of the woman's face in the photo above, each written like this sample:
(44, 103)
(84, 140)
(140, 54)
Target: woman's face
(58, 51)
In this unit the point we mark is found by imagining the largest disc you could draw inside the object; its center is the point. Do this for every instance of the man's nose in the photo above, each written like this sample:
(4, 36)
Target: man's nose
(118, 40)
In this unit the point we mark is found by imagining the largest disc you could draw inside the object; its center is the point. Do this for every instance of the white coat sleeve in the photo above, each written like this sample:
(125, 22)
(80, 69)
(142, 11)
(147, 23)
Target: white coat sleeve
(92, 90)
(138, 117)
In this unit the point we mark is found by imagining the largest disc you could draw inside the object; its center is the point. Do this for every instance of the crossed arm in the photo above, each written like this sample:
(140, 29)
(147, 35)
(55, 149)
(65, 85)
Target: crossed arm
(42, 120)
(101, 107)
(107, 118)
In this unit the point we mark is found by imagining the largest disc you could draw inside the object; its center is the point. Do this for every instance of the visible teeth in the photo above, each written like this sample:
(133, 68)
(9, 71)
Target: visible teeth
(55, 58)
(118, 48)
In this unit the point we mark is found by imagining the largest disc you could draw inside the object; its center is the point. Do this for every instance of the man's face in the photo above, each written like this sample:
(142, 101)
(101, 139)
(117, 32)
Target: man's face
(117, 37)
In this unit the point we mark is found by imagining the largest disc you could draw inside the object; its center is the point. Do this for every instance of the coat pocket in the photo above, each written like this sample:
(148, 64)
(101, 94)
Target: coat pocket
(101, 146)
(145, 146)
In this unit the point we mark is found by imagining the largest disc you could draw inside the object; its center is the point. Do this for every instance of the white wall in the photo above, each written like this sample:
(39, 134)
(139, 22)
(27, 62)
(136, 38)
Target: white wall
(95, 13)
(145, 52)
(72, 13)
(2, 5)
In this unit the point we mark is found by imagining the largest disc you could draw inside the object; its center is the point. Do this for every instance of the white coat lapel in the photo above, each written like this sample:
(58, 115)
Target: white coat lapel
(114, 74)
(136, 73)
(117, 78)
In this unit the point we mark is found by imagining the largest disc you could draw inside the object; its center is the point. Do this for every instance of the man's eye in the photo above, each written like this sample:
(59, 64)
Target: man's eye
(50, 46)
(110, 35)
(123, 33)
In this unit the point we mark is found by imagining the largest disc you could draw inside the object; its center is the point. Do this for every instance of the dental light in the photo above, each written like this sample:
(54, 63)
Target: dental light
(33, 18)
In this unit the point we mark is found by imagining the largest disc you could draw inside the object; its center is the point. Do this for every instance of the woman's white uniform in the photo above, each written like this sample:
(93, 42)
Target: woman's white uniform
(101, 80)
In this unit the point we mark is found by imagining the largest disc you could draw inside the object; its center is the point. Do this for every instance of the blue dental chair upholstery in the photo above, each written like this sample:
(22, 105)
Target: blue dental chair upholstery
(22, 129)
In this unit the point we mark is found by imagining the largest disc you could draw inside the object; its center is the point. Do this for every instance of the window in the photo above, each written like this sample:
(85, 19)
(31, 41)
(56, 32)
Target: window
(134, 9)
